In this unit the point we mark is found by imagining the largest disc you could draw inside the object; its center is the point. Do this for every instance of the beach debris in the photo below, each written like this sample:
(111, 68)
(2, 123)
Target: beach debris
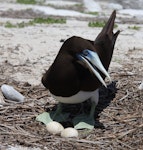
(11, 94)
(141, 86)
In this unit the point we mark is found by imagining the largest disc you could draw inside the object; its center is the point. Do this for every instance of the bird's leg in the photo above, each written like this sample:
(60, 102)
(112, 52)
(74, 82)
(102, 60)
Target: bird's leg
(92, 110)
(58, 110)
(84, 121)
(58, 115)
(94, 102)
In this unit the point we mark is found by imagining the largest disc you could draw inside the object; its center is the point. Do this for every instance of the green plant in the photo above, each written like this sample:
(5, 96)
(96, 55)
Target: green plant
(9, 25)
(26, 1)
(48, 20)
(96, 24)
(134, 27)
(115, 26)
(22, 24)
(93, 13)
(99, 24)
(35, 21)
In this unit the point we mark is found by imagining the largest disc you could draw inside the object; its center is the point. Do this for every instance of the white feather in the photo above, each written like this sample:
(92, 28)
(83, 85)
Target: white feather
(80, 97)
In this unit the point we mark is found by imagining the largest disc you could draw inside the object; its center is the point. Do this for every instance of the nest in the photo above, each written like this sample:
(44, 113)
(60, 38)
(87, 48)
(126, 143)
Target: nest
(119, 117)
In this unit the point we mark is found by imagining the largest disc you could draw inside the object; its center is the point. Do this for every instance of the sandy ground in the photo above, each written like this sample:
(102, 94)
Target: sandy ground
(26, 52)
(30, 50)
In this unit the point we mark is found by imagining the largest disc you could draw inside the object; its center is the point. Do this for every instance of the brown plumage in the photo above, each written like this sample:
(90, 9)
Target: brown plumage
(68, 75)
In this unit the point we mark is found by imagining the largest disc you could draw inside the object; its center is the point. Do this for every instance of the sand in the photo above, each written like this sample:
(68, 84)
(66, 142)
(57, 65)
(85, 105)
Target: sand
(25, 53)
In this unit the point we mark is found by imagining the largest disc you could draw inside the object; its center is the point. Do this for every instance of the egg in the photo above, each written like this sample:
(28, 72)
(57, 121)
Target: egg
(54, 127)
(69, 132)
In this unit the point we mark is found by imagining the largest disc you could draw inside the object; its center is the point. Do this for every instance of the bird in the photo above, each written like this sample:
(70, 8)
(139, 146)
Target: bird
(80, 68)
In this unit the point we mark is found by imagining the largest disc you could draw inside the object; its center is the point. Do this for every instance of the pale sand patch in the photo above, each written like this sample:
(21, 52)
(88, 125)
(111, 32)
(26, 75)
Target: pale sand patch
(32, 49)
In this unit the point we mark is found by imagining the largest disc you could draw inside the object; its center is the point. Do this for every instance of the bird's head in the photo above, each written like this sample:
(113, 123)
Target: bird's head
(84, 52)
(92, 61)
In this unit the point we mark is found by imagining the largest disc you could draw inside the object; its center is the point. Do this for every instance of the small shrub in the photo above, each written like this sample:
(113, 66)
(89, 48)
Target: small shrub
(96, 24)
(134, 27)
(26, 1)
(9, 25)
(99, 24)
(35, 21)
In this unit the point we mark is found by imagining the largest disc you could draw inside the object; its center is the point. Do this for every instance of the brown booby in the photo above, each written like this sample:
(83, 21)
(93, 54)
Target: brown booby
(80, 68)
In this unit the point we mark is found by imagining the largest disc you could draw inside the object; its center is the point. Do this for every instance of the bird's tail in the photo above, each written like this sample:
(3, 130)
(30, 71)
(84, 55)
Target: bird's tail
(108, 29)
(105, 41)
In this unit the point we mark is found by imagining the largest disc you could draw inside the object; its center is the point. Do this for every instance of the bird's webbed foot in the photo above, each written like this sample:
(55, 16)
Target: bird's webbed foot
(50, 116)
(84, 121)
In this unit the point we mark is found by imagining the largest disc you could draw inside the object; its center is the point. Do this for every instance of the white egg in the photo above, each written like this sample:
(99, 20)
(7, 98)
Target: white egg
(11, 94)
(54, 127)
(69, 132)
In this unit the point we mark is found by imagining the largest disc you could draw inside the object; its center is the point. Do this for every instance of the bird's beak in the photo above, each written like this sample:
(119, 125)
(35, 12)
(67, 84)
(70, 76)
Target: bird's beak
(92, 61)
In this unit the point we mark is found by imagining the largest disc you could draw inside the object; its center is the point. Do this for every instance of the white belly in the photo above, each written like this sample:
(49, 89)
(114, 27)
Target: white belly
(80, 97)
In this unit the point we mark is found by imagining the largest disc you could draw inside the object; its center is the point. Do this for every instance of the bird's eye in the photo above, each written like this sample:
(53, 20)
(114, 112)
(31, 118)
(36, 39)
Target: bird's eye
(85, 52)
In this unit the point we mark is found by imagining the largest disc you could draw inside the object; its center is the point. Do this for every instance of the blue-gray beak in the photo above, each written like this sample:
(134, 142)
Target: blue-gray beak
(92, 61)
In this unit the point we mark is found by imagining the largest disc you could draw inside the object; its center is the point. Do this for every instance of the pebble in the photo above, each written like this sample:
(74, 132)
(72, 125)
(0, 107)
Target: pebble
(11, 94)
(141, 86)
(69, 132)
(54, 127)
